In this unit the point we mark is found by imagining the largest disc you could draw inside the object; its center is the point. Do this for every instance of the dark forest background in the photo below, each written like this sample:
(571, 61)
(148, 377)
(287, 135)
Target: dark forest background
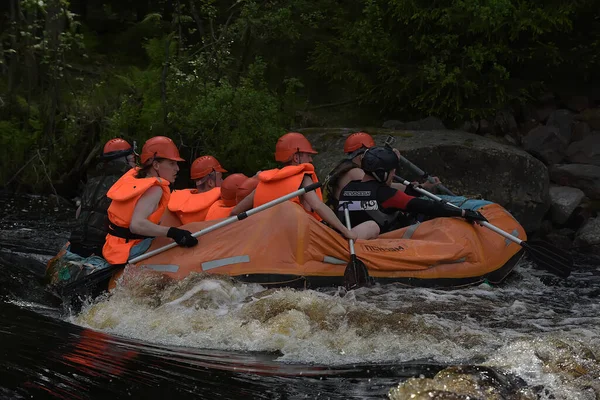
(228, 77)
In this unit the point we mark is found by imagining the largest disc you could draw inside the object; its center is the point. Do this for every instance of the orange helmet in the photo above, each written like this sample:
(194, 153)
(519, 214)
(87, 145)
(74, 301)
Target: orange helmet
(203, 166)
(160, 147)
(116, 148)
(229, 188)
(290, 144)
(358, 140)
(246, 188)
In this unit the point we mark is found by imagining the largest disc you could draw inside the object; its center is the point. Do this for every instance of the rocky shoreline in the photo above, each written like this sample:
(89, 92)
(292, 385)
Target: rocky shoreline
(541, 162)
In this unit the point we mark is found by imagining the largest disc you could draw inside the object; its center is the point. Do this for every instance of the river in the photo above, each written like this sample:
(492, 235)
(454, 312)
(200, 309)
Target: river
(534, 336)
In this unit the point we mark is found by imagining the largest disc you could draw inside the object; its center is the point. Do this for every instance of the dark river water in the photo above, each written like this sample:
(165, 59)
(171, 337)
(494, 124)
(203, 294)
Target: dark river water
(534, 336)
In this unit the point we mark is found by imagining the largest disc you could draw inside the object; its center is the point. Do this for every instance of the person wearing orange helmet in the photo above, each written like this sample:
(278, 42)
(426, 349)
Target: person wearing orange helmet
(295, 152)
(139, 200)
(192, 205)
(246, 188)
(222, 207)
(349, 169)
(88, 236)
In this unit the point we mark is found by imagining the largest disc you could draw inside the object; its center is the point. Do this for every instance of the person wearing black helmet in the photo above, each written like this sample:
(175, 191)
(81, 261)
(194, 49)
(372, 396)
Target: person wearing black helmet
(89, 234)
(375, 207)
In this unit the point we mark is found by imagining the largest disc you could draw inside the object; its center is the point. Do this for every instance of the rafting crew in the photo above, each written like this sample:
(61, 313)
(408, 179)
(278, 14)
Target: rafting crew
(192, 205)
(375, 207)
(139, 200)
(349, 169)
(294, 152)
(88, 236)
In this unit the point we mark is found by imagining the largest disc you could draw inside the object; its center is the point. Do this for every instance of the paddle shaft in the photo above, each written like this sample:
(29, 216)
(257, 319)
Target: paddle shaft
(230, 220)
(349, 226)
(486, 224)
(425, 175)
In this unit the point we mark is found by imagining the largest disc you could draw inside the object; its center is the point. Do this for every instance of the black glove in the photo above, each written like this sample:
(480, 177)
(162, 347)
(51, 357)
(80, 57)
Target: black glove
(182, 237)
(474, 216)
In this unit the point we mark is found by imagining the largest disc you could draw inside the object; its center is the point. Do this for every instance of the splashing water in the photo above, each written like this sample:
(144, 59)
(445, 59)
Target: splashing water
(522, 327)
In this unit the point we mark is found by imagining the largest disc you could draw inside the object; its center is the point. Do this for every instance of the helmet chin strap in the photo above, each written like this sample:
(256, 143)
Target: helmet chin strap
(377, 178)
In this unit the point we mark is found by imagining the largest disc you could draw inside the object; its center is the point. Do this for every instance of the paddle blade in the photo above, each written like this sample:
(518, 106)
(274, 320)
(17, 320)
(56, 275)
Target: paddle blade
(549, 257)
(356, 274)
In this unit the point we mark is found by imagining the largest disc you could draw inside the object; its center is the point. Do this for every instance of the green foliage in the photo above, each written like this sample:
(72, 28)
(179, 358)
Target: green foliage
(455, 59)
(226, 77)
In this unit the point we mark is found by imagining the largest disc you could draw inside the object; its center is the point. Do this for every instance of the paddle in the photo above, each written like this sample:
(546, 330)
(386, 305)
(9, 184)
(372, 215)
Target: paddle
(356, 274)
(92, 281)
(424, 175)
(542, 253)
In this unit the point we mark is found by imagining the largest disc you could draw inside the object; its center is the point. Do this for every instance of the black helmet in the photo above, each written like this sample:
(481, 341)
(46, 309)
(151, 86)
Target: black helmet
(378, 162)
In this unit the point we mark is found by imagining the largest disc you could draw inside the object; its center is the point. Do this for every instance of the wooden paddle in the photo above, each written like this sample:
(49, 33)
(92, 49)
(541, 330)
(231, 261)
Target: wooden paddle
(542, 253)
(90, 283)
(356, 274)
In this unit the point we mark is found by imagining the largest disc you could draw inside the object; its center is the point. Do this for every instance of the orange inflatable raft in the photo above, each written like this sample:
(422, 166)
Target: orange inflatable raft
(284, 246)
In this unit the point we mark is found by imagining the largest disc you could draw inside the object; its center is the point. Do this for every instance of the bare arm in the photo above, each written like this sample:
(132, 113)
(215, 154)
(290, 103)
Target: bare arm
(145, 206)
(243, 205)
(323, 211)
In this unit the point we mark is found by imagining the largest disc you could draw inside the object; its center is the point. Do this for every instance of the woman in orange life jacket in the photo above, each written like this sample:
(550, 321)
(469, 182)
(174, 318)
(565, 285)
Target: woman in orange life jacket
(192, 205)
(222, 207)
(349, 170)
(295, 152)
(139, 199)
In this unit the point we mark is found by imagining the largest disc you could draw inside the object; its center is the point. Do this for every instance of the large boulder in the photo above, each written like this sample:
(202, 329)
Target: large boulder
(582, 176)
(587, 238)
(545, 143)
(564, 121)
(467, 164)
(581, 130)
(425, 124)
(591, 116)
(586, 151)
(563, 201)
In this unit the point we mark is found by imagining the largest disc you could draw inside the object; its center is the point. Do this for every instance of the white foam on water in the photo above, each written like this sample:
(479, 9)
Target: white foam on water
(505, 325)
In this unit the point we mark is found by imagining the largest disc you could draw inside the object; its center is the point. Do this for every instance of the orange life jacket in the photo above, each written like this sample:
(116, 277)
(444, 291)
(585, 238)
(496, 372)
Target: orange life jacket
(191, 206)
(218, 210)
(275, 183)
(125, 194)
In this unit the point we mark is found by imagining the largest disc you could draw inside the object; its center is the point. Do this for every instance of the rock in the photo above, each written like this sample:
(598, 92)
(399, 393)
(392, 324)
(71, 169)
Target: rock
(505, 123)
(393, 124)
(469, 126)
(544, 142)
(582, 176)
(562, 238)
(582, 213)
(586, 151)
(425, 124)
(466, 163)
(484, 127)
(563, 201)
(591, 116)
(527, 126)
(576, 103)
(544, 112)
(587, 239)
(581, 130)
(564, 121)
(510, 140)
(545, 228)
